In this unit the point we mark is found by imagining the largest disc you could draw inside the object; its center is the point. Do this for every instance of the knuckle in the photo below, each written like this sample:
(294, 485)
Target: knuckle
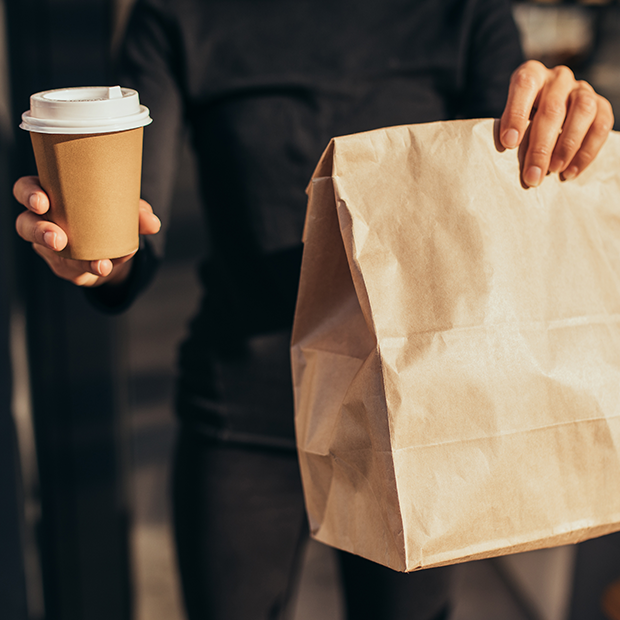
(19, 223)
(585, 103)
(553, 109)
(610, 125)
(607, 113)
(603, 122)
(540, 152)
(582, 84)
(23, 187)
(26, 226)
(532, 65)
(519, 117)
(567, 147)
(564, 73)
(524, 79)
(600, 130)
(37, 231)
(19, 185)
(584, 158)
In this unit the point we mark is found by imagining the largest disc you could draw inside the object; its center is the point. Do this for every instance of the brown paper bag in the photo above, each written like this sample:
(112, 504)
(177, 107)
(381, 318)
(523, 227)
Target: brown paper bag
(456, 349)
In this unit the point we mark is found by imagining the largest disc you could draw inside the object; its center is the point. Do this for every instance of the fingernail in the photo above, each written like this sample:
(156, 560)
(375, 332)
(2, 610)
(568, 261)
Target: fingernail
(33, 201)
(104, 267)
(49, 239)
(533, 176)
(510, 138)
(570, 173)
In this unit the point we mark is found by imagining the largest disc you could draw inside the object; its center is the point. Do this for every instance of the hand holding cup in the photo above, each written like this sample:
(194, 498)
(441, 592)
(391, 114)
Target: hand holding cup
(48, 239)
(84, 212)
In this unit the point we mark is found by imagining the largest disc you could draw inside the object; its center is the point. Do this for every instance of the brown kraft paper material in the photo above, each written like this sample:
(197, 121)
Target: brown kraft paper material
(94, 186)
(456, 349)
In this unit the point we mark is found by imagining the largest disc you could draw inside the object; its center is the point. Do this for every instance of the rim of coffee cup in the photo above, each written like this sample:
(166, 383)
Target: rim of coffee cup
(85, 110)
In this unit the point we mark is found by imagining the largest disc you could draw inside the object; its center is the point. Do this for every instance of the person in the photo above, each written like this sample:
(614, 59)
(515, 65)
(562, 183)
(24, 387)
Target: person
(262, 87)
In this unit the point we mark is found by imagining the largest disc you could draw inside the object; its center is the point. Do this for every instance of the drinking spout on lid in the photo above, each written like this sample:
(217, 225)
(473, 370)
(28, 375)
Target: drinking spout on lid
(85, 110)
(115, 92)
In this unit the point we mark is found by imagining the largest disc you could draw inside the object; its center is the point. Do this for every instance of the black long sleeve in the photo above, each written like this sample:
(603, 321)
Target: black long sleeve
(262, 86)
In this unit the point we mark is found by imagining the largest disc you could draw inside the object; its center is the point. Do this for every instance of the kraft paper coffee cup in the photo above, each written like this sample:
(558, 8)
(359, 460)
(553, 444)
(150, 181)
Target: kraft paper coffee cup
(88, 148)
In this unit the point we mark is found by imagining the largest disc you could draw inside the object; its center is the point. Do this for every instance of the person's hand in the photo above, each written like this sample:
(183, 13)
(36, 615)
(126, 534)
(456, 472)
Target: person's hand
(48, 239)
(569, 121)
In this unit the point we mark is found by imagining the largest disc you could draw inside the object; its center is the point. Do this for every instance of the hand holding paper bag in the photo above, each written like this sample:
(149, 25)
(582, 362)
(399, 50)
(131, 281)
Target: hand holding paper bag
(570, 122)
(456, 349)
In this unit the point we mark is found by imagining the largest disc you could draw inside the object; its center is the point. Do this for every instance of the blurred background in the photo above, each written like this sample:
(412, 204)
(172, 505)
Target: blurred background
(86, 423)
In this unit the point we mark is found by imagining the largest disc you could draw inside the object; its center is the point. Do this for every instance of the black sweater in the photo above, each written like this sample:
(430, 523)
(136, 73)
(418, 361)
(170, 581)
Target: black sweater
(262, 85)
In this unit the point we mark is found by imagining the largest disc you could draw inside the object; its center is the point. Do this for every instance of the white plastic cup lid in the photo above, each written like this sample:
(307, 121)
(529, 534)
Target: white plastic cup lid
(85, 110)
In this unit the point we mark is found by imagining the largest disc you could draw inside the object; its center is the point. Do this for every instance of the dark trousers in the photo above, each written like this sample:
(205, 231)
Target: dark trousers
(240, 526)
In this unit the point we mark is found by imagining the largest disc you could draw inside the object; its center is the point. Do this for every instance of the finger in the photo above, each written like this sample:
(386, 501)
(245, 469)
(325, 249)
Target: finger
(525, 85)
(104, 267)
(582, 111)
(101, 267)
(149, 224)
(144, 205)
(34, 229)
(594, 140)
(547, 124)
(28, 192)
